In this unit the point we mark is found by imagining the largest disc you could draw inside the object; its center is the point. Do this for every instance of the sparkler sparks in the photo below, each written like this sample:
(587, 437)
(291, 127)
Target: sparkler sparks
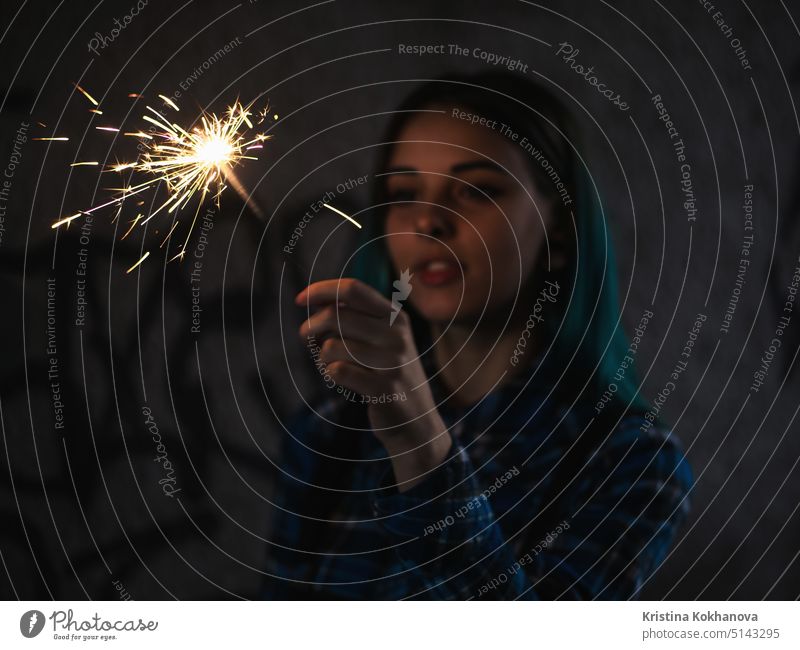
(66, 221)
(189, 162)
(169, 102)
(142, 259)
(194, 162)
(348, 217)
(87, 95)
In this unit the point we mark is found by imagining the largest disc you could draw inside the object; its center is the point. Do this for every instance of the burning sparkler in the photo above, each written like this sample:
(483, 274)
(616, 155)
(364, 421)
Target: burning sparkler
(194, 162)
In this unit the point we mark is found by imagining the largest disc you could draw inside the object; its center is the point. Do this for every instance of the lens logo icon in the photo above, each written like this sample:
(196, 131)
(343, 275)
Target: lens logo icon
(31, 623)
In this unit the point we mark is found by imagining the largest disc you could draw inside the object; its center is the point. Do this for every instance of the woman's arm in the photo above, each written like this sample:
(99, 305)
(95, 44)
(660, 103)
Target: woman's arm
(618, 524)
(374, 355)
(612, 531)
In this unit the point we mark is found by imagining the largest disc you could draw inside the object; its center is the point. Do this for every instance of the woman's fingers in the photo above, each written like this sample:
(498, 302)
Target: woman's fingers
(363, 354)
(354, 293)
(344, 324)
(357, 344)
(354, 377)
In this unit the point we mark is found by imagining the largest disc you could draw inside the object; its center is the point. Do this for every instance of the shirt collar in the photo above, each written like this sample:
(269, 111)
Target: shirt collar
(490, 404)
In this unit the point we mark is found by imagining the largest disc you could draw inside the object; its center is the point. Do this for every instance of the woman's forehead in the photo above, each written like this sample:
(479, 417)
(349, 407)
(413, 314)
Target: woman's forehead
(440, 140)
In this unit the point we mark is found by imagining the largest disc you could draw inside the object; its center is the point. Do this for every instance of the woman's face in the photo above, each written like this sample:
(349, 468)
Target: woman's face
(465, 217)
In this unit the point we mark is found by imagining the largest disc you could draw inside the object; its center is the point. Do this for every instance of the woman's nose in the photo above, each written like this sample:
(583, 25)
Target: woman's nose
(432, 222)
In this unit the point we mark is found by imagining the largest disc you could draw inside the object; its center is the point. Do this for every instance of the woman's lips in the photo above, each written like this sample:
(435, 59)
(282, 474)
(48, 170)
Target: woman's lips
(437, 273)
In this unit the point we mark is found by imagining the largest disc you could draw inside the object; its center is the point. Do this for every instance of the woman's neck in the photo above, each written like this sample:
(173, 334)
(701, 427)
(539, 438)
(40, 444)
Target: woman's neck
(474, 360)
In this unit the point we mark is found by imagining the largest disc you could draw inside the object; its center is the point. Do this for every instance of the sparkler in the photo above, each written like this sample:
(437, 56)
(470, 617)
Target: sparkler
(197, 161)
(194, 162)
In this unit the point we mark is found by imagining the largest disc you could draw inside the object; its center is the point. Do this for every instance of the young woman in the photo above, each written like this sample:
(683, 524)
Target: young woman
(483, 436)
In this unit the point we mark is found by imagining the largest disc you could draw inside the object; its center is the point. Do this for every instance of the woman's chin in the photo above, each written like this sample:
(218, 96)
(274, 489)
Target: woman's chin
(445, 312)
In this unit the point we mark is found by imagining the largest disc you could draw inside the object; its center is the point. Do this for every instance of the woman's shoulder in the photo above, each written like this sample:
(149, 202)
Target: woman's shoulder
(640, 429)
(647, 449)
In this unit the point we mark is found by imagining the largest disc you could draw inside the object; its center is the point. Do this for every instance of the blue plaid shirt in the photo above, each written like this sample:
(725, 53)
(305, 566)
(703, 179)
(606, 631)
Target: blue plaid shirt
(341, 531)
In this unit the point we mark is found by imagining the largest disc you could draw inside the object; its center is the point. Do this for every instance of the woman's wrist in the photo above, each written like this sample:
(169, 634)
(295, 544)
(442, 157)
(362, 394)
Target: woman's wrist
(415, 448)
(412, 467)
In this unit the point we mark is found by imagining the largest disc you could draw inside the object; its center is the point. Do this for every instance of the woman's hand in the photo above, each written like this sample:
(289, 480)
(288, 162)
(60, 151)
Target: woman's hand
(366, 354)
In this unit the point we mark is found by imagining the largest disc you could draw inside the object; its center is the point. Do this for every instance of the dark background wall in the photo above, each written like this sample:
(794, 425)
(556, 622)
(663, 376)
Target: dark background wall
(81, 506)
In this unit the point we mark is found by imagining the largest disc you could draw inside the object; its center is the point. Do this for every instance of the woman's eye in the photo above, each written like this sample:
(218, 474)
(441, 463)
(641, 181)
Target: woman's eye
(401, 195)
(480, 192)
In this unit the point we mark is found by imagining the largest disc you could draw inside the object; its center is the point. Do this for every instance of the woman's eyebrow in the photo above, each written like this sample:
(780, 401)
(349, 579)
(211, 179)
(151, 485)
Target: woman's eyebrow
(455, 169)
(477, 164)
